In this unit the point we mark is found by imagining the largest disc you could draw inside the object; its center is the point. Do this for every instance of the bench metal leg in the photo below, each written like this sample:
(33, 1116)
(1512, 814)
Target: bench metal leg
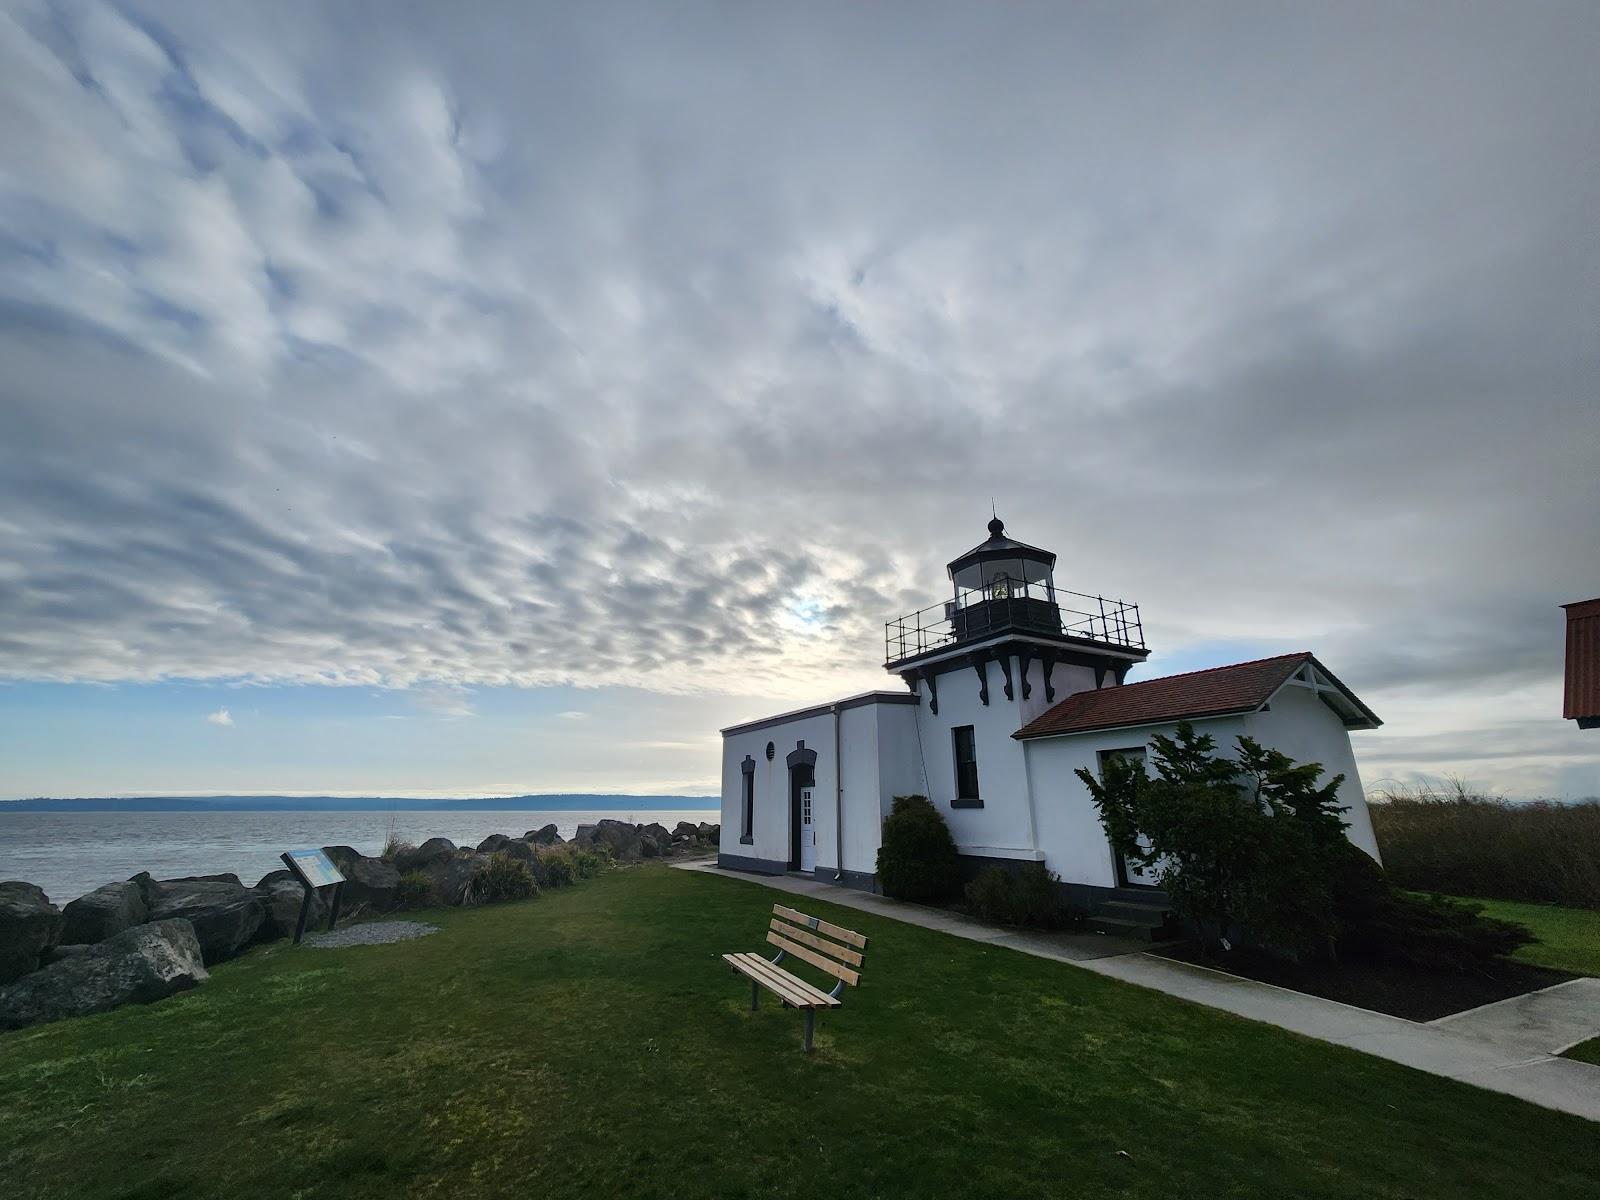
(755, 995)
(811, 1024)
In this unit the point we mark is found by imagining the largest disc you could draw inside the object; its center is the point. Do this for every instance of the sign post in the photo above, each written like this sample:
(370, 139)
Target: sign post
(314, 870)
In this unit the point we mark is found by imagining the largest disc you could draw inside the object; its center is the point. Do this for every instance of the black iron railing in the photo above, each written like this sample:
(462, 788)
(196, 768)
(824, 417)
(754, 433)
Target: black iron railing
(1012, 606)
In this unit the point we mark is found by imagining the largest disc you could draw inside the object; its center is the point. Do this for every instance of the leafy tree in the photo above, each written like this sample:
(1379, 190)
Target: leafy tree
(1234, 842)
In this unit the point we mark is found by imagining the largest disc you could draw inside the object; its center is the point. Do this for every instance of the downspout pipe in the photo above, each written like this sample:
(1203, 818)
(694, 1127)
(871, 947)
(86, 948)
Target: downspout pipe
(838, 796)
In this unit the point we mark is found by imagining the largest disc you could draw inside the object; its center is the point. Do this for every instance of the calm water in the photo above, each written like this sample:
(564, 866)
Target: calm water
(68, 854)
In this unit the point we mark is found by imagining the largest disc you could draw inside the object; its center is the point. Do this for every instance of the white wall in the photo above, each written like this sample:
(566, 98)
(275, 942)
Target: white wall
(1307, 730)
(1070, 833)
(878, 746)
(771, 824)
(1002, 828)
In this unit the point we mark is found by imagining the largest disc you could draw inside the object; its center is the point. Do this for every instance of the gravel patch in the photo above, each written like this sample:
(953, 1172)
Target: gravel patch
(372, 933)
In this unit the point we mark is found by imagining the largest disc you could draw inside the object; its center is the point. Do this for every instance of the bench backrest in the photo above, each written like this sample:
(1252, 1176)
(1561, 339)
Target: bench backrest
(807, 938)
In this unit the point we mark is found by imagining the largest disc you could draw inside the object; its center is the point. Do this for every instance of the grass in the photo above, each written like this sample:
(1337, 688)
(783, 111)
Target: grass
(1588, 1052)
(1569, 938)
(590, 1043)
(1464, 844)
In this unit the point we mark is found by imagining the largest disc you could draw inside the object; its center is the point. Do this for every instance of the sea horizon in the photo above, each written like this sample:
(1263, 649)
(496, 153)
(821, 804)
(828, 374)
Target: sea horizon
(73, 852)
(352, 802)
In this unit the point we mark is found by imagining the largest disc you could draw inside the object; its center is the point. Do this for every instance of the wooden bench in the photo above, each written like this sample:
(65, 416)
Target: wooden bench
(806, 938)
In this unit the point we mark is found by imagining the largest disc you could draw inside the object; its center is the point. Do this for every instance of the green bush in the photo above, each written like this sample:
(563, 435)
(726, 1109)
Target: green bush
(1379, 923)
(1030, 895)
(1462, 843)
(558, 866)
(917, 859)
(501, 878)
(415, 890)
(1250, 843)
(589, 861)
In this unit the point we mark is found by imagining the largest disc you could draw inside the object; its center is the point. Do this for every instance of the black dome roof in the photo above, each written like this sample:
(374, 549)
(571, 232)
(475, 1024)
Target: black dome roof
(1000, 546)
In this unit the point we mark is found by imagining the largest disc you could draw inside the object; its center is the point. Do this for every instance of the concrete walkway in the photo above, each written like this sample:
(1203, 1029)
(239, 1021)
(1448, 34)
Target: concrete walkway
(1508, 1046)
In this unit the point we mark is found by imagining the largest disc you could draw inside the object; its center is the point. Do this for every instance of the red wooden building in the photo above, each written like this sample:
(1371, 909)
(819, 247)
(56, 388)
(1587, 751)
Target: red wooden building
(1583, 663)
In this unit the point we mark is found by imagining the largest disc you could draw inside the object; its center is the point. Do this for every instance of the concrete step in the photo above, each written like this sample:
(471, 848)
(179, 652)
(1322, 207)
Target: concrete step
(1153, 915)
(1135, 930)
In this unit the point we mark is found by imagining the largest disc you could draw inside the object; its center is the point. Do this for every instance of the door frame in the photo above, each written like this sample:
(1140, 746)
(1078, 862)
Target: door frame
(802, 764)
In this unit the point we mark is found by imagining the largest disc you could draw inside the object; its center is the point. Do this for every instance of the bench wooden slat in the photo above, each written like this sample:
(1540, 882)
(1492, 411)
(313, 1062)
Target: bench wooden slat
(822, 963)
(802, 994)
(754, 967)
(807, 938)
(789, 988)
(838, 932)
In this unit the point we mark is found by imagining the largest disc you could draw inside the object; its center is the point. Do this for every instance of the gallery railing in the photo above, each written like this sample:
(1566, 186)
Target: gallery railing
(1012, 606)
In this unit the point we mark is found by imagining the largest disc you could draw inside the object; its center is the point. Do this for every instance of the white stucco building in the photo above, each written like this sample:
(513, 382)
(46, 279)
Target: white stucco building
(1010, 686)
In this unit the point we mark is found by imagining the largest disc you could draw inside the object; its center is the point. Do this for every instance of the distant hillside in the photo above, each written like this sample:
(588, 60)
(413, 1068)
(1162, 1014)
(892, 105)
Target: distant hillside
(563, 801)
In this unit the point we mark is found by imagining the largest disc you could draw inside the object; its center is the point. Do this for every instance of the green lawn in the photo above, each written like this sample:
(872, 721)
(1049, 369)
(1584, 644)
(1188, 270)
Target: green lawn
(1588, 1052)
(1569, 938)
(590, 1043)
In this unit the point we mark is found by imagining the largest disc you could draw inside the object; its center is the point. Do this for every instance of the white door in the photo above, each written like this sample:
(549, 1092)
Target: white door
(1141, 876)
(808, 833)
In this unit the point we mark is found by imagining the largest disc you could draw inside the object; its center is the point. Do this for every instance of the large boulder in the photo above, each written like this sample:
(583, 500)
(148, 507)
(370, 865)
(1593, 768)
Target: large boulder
(683, 829)
(650, 848)
(452, 873)
(104, 912)
(524, 852)
(495, 841)
(281, 900)
(420, 858)
(658, 831)
(136, 966)
(545, 835)
(368, 881)
(621, 838)
(225, 916)
(584, 835)
(29, 926)
(708, 833)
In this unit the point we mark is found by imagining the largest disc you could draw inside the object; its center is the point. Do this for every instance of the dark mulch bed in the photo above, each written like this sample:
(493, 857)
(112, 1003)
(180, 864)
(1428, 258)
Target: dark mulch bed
(1409, 992)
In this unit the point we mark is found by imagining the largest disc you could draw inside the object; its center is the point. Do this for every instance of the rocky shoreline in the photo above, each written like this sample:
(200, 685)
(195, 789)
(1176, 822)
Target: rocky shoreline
(141, 939)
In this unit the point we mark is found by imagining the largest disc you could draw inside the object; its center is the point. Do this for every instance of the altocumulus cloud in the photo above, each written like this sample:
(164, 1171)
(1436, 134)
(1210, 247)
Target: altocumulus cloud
(526, 345)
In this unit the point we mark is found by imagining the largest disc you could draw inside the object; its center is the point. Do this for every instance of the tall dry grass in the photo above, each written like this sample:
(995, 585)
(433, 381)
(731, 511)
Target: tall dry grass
(1465, 844)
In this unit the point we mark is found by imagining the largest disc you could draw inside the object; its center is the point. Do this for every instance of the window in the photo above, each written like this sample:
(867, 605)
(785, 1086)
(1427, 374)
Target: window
(747, 801)
(1133, 753)
(966, 756)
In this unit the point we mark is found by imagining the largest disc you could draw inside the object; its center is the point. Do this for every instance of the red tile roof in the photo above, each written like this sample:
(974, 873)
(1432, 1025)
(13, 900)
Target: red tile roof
(1215, 692)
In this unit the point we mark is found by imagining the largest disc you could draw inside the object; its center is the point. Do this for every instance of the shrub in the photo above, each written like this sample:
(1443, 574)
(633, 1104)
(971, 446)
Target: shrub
(589, 861)
(393, 847)
(1463, 843)
(1029, 895)
(1251, 842)
(415, 890)
(917, 859)
(558, 866)
(501, 878)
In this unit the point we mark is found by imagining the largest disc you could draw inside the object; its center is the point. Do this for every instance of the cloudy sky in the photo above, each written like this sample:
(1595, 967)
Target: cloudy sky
(494, 398)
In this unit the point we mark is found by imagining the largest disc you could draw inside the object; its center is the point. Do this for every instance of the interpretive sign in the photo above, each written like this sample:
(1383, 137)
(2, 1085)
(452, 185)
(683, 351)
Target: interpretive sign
(314, 867)
(314, 870)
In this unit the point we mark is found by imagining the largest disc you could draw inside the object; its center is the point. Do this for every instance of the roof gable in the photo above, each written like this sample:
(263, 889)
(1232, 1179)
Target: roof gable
(1215, 692)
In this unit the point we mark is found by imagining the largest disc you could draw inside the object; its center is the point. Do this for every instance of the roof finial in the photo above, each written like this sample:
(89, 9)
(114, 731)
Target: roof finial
(996, 525)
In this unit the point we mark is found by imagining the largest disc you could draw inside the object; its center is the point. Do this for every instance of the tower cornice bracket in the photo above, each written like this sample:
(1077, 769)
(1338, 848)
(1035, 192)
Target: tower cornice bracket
(1005, 669)
(1047, 663)
(1023, 659)
(979, 661)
